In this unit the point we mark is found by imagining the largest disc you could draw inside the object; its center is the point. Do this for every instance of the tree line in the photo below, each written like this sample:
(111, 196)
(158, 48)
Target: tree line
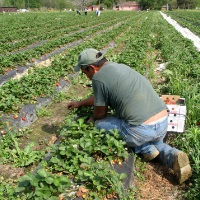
(173, 4)
(73, 4)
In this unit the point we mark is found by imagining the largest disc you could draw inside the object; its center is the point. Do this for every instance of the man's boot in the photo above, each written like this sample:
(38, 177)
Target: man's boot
(151, 156)
(181, 167)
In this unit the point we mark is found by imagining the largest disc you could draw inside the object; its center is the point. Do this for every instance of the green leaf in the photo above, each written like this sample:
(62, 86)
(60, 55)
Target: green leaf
(28, 148)
(53, 198)
(54, 160)
(34, 182)
(123, 176)
(43, 193)
(49, 180)
(26, 178)
(42, 172)
(62, 148)
(65, 179)
(20, 189)
(88, 174)
(31, 160)
(56, 181)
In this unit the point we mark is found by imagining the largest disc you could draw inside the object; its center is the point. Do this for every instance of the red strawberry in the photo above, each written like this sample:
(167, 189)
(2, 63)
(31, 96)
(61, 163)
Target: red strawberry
(24, 118)
(6, 70)
(114, 161)
(22, 174)
(15, 116)
(3, 132)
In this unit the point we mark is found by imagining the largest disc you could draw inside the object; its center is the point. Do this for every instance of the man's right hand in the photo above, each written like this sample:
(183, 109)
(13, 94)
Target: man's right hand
(73, 104)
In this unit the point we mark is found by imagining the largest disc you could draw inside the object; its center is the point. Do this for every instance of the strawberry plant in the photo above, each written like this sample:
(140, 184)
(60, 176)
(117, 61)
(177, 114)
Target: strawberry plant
(42, 185)
(11, 153)
(7, 190)
(87, 157)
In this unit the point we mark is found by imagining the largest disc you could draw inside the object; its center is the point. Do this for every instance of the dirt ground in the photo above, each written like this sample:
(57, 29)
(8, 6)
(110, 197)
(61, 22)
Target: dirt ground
(159, 184)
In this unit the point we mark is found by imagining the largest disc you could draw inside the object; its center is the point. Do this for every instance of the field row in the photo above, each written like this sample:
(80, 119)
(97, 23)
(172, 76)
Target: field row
(187, 19)
(22, 52)
(143, 40)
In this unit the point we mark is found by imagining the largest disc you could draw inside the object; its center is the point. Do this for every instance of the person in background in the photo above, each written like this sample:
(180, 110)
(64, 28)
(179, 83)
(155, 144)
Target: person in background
(98, 13)
(141, 115)
(97, 10)
(85, 10)
(78, 12)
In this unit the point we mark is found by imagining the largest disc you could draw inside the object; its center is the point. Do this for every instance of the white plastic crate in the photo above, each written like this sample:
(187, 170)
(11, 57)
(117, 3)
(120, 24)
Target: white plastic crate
(177, 112)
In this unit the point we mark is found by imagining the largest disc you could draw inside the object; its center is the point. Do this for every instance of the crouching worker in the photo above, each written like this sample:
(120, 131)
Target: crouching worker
(142, 117)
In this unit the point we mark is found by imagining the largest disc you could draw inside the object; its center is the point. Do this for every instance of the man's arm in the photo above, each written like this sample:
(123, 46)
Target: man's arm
(86, 102)
(100, 112)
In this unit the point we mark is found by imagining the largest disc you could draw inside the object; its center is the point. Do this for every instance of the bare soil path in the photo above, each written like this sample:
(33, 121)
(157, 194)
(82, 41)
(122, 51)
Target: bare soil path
(159, 184)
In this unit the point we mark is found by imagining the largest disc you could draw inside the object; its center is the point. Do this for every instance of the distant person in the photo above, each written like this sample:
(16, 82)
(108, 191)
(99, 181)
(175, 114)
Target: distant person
(78, 12)
(85, 10)
(96, 12)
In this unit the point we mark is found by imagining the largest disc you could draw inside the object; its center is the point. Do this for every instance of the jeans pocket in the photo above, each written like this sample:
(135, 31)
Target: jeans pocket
(136, 135)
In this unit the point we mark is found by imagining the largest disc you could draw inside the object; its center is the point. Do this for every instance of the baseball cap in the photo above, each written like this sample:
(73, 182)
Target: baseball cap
(86, 57)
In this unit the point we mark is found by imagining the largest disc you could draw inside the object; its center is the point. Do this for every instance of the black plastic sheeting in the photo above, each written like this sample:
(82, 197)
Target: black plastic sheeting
(32, 46)
(27, 114)
(11, 73)
(127, 168)
(20, 69)
(26, 117)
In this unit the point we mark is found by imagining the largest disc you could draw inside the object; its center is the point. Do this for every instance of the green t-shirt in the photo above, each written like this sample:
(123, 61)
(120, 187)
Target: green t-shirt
(128, 92)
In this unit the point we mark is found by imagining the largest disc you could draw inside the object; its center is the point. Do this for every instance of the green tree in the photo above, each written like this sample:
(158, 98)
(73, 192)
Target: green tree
(186, 4)
(108, 3)
(46, 3)
(145, 4)
(173, 4)
(1, 2)
(16, 3)
(22, 3)
(33, 3)
(62, 4)
(157, 4)
(198, 3)
(6, 3)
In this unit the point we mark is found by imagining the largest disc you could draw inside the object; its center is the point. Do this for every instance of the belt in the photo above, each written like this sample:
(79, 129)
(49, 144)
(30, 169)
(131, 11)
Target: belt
(156, 117)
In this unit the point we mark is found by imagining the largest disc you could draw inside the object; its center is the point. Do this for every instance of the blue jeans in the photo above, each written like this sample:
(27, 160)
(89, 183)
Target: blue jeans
(144, 138)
